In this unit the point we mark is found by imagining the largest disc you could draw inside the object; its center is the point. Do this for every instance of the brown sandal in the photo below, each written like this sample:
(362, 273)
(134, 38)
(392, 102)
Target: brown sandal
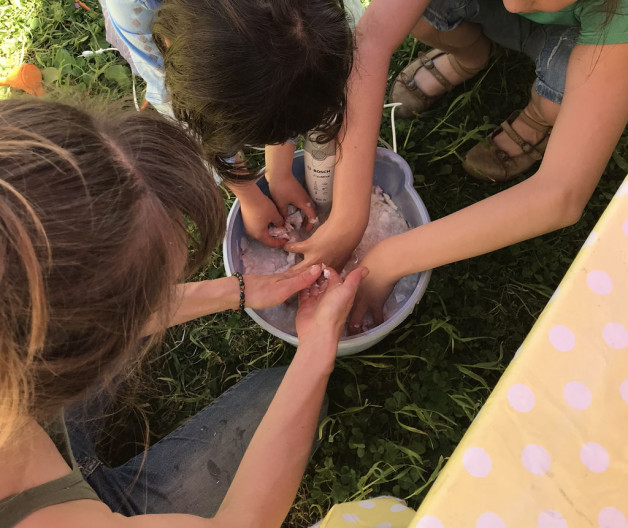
(405, 90)
(490, 163)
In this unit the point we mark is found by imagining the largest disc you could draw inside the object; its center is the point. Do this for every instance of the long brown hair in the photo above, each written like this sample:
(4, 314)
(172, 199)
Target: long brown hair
(611, 8)
(93, 214)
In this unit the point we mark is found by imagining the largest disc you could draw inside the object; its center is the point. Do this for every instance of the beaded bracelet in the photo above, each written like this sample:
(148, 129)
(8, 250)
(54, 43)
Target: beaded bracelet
(240, 278)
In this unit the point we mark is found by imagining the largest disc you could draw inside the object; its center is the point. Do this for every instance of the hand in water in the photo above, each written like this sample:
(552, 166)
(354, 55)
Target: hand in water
(264, 291)
(330, 244)
(257, 215)
(371, 296)
(324, 306)
(288, 190)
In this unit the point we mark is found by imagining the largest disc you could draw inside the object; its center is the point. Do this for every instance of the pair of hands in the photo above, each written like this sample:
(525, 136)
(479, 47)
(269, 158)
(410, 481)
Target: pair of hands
(264, 291)
(324, 303)
(331, 244)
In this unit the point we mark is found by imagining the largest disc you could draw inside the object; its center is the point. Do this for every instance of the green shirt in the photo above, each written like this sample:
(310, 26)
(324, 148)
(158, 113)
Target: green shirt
(71, 487)
(590, 17)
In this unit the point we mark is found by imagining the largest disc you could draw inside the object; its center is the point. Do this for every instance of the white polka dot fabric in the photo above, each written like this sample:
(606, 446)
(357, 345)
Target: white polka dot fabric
(550, 448)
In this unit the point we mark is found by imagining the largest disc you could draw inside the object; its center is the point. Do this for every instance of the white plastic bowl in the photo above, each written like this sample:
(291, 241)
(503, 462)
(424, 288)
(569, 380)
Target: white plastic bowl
(394, 176)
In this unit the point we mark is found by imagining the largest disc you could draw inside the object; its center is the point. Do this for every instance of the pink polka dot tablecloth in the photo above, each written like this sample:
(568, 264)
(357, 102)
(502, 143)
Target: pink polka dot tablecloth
(550, 447)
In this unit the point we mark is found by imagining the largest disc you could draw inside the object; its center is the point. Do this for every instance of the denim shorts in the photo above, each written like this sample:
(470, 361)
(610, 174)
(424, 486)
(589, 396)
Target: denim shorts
(548, 45)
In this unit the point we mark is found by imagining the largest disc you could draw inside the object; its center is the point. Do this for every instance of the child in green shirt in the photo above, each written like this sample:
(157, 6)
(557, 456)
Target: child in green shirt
(577, 113)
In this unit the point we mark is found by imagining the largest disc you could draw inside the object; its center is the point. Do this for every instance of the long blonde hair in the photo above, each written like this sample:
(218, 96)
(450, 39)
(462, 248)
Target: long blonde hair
(93, 214)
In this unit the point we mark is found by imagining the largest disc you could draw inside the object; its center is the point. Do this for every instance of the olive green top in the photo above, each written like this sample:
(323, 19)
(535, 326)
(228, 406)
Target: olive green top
(591, 18)
(16, 508)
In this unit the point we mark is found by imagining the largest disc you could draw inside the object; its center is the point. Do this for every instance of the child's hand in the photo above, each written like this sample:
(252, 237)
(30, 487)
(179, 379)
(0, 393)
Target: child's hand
(324, 306)
(286, 190)
(264, 291)
(258, 212)
(330, 244)
(371, 296)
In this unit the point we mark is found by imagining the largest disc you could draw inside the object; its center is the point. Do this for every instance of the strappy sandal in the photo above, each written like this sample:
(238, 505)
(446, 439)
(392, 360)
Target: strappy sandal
(405, 90)
(490, 163)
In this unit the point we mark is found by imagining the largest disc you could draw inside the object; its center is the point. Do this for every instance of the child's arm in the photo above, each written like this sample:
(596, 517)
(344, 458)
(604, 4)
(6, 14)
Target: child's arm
(197, 299)
(284, 188)
(282, 443)
(381, 29)
(592, 117)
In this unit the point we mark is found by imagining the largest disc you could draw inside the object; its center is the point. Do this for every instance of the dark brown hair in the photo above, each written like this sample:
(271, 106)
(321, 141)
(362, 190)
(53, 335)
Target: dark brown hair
(611, 8)
(92, 242)
(255, 72)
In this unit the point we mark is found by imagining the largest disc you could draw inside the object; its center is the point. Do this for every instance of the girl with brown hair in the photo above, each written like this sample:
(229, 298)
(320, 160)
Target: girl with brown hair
(249, 72)
(92, 245)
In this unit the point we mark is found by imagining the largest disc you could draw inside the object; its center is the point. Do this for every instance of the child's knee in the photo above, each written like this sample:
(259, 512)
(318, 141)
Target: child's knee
(463, 35)
(424, 31)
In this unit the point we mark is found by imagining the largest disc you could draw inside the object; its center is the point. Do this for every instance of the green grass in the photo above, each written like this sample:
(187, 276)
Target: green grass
(398, 410)
(52, 35)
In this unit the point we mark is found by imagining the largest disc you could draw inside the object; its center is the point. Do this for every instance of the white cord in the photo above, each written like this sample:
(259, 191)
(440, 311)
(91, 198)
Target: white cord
(385, 143)
(88, 53)
(393, 106)
(137, 105)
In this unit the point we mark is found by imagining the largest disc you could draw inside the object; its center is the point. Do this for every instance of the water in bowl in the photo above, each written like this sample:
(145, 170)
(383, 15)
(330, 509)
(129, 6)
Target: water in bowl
(385, 220)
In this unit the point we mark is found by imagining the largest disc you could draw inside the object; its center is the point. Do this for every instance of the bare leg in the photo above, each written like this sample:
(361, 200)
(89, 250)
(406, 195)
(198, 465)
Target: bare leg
(466, 43)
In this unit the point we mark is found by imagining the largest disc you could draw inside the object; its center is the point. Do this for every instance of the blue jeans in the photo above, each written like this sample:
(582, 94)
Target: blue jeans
(188, 471)
(548, 45)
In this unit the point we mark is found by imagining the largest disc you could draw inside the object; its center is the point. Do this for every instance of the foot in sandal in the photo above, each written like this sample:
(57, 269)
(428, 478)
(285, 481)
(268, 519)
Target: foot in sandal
(426, 79)
(511, 149)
